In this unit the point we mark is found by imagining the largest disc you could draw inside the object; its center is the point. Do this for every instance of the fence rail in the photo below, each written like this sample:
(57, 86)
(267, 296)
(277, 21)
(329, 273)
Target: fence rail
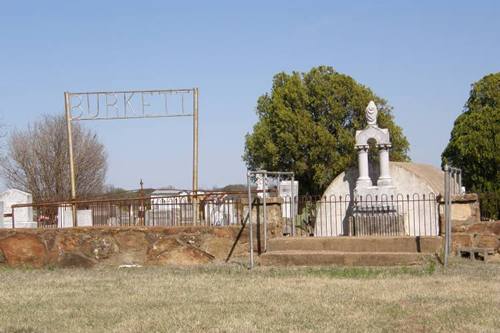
(401, 214)
(408, 214)
(211, 210)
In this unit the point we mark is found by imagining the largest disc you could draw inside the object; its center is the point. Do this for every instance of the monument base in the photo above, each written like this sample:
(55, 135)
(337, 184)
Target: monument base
(374, 212)
(374, 193)
(384, 182)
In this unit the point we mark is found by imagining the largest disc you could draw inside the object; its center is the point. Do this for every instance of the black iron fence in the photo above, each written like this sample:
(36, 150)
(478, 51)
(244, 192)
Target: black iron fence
(210, 210)
(489, 203)
(409, 214)
(401, 214)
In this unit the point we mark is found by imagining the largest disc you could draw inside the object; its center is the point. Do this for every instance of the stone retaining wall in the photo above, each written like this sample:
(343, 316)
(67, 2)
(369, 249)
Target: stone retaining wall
(481, 234)
(88, 247)
(464, 211)
(467, 228)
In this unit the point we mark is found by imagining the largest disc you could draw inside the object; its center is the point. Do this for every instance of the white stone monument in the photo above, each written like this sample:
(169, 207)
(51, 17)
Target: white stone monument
(65, 217)
(374, 210)
(364, 185)
(285, 192)
(262, 185)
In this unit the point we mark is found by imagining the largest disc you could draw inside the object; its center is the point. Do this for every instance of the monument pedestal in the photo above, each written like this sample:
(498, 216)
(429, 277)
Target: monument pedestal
(375, 212)
(374, 193)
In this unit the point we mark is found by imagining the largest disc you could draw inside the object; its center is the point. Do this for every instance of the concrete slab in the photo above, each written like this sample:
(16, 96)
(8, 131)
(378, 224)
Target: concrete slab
(358, 244)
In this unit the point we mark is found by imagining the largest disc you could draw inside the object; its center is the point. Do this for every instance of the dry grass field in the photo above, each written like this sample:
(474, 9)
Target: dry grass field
(464, 298)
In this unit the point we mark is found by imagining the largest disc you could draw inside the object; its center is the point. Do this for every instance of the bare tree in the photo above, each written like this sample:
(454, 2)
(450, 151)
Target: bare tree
(37, 161)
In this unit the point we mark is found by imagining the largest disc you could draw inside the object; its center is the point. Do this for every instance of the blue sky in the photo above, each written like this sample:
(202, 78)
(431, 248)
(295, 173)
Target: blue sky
(421, 56)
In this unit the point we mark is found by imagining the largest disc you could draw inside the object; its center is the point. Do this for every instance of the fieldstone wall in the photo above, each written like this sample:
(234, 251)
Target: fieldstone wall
(481, 234)
(467, 228)
(273, 210)
(464, 211)
(88, 247)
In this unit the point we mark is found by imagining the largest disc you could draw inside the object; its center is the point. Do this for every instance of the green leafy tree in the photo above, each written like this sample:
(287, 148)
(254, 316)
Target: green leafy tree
(307, 125)
(475, 139)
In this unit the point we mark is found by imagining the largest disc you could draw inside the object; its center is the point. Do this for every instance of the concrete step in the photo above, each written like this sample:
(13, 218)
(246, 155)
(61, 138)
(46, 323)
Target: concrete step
(357, 244)
(322, 258)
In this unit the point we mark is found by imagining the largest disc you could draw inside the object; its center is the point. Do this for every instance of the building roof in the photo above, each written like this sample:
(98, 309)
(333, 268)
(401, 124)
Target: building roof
(6, 192)
(161, 192)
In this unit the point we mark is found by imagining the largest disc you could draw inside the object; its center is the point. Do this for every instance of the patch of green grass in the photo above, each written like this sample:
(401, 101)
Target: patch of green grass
(333, 272)
(351, 272)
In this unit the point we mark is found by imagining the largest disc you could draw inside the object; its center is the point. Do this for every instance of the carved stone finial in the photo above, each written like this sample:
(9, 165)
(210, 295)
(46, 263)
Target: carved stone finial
(371, 113)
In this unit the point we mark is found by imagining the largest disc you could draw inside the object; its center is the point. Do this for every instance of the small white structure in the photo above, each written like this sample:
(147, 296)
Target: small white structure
(23, 217)
(170, 207)
(221, 211)
(285, 192)
(65, 217)
(165, 200)
(262, 184)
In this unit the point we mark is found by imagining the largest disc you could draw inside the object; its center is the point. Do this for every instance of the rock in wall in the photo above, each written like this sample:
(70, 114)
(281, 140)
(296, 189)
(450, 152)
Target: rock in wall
(481, 234)
(88, 247)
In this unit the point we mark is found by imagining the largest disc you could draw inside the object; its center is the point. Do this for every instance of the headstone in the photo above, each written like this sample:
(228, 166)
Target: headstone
(84, 217)
(65, 217)
(112, 221)
(262, 185)
(285, 192)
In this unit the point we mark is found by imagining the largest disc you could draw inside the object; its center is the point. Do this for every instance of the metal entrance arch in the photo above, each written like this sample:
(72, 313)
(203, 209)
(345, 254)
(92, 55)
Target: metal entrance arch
(131, 104)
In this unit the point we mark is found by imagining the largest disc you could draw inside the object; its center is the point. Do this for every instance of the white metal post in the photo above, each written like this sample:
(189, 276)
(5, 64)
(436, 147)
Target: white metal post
(67, 109)
(250, 231)
(450, 193)
(195, 155)
(264, 196)
(292, 205)
(446, 213)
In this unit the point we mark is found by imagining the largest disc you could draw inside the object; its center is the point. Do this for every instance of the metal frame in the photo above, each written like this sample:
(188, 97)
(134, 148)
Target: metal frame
(452, 186)
(207, 200)
(165, 210)
(127, 95)
(265, 173)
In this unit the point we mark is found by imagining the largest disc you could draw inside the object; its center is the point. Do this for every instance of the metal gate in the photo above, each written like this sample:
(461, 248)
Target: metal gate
(288, 207)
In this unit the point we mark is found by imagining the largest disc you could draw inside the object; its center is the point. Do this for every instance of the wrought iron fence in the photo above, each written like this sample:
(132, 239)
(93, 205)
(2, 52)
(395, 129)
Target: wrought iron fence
(412, 215)
(401, 214)
(210, 210)
(489, 203)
